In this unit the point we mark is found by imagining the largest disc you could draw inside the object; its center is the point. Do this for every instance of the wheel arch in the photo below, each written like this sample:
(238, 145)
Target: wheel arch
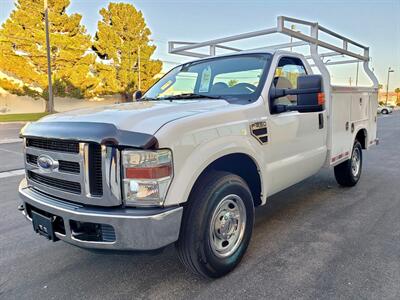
(362, 137)
(242, 165)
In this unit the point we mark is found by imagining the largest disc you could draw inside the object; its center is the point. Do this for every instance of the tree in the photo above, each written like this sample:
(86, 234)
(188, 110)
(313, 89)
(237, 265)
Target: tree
(23, 48)
(232, 82)
(397, 91)
(122, 40)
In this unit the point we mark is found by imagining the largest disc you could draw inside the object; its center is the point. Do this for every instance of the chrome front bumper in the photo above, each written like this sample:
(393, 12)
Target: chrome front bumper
(135, 229)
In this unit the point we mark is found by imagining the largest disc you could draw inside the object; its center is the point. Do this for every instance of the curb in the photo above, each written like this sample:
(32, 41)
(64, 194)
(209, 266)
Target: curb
(14, 122)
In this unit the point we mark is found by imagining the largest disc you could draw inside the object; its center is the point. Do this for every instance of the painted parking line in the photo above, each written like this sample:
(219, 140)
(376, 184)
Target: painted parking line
(12, 173)
(10, 141)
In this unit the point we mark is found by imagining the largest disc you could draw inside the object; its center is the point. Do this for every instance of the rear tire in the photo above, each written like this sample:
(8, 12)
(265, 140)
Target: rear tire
(217, 224)
(348, 173)
(385, 111)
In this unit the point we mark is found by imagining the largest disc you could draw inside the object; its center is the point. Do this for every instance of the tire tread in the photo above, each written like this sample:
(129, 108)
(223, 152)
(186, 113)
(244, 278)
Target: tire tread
(343, 173)
(186, 245)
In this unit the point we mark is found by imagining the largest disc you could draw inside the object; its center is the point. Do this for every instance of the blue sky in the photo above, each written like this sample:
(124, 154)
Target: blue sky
(375, 23)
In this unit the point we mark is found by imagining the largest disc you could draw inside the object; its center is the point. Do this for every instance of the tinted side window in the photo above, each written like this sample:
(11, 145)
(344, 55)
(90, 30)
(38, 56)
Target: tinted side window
(286, 73)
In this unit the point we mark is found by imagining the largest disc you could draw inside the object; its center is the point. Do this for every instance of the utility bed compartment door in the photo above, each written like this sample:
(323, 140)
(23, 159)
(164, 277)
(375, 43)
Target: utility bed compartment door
(341, 126)
(352, 109)
(359, 107)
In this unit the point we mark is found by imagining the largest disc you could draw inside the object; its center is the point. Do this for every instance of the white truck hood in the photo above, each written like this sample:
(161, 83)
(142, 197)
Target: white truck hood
(144, 117)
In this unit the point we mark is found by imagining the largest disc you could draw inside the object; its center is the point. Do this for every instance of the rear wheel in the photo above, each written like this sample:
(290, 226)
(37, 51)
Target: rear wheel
(385, 111)
(217, 224)
(349, 172)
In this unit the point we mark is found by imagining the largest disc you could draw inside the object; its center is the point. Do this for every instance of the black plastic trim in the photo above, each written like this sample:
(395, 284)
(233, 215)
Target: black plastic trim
(101, 133)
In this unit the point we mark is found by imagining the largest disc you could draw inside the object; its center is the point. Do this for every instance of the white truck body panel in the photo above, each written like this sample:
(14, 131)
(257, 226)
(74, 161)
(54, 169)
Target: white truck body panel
(145, 117)
(353, 109)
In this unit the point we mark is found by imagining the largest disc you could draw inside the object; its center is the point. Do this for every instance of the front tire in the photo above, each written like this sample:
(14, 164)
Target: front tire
(385, 111)
(348, 173)
(217, 224)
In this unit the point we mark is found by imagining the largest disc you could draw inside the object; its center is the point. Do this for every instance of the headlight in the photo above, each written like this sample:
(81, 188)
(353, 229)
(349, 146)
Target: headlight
(146, 176)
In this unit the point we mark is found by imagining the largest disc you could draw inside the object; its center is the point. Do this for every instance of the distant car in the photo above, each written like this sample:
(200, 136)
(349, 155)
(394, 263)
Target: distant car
(384, 110)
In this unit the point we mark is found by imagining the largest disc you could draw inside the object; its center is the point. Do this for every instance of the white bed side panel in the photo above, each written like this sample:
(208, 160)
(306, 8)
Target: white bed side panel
(340, 119)
(353, 109)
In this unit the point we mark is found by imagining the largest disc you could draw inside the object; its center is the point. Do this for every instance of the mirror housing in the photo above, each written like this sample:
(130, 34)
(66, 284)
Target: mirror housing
(137, 95)
(309, 95)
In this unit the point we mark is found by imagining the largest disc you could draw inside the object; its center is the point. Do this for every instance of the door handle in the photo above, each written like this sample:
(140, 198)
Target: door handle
(321, 120)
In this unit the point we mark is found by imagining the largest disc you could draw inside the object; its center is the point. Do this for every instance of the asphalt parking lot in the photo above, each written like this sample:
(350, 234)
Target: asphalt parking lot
(313, 240)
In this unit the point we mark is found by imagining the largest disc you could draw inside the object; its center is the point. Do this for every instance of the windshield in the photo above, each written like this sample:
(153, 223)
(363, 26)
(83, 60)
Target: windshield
(234, 78)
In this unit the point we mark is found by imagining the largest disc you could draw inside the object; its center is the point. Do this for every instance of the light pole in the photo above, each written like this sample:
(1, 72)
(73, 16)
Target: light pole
(390, 70)
(46, 23)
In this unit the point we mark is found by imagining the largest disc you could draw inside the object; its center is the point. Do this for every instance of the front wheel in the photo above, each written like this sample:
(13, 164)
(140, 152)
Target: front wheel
(217, 224)
(385, 111)
(348, 173)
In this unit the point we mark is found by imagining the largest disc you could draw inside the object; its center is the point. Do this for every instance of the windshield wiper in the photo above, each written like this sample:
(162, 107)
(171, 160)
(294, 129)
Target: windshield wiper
(188, 96)
(147, 99)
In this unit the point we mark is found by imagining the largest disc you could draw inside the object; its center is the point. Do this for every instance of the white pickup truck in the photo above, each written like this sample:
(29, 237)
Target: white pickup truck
(189, 161)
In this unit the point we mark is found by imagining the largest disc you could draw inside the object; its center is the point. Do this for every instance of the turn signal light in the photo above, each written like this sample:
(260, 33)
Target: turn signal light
(321, 98)
(148, 173)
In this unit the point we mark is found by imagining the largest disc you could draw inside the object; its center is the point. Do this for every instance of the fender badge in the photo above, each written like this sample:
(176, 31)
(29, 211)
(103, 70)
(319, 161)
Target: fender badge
(259, 131)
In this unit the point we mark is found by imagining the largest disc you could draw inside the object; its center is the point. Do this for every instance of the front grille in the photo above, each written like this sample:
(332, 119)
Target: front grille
(32, 159)
(95, 172)
(64, 166)
(69, 166)
(54, 145)
(68, 186)
(79, 171)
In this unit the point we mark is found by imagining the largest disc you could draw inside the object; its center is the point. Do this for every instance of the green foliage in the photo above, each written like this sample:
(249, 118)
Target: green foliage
(21, 117)
(11, 87)
(19, 90)
(232, 82)
(23, 47)
(63, 88)
(31, 92)
(397, 91)
(122, 34)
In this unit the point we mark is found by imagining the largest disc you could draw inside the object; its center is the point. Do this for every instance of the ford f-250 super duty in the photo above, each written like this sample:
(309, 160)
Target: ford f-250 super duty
(189, 161)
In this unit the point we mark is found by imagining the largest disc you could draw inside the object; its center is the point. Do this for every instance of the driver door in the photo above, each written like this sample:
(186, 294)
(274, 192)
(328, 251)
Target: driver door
(297, 141)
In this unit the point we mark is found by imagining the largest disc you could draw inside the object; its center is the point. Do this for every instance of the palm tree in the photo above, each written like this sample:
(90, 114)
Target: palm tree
(397, 91)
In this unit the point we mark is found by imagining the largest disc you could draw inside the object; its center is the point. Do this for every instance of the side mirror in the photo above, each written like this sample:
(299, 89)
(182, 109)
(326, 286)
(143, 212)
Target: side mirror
(137, 95)
(309, 95)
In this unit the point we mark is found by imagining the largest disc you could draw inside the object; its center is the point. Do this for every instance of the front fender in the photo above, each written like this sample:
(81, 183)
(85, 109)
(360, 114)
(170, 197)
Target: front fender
(190, 164)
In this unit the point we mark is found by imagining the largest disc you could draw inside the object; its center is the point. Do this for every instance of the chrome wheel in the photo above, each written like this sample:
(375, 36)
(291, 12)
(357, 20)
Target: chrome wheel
(355, 162)
(227, 226)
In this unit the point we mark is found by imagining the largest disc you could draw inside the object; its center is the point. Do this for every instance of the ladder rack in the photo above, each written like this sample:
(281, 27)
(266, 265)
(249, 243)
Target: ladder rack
(312, 40)
(184, 48)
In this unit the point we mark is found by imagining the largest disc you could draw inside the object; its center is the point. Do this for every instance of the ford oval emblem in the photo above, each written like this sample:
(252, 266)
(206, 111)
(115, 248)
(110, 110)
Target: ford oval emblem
(46, 163)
